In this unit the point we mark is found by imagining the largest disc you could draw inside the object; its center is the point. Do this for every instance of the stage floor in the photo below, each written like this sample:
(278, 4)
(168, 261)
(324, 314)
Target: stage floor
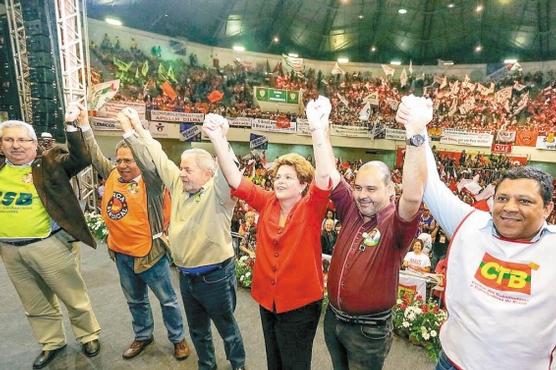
(18, 348)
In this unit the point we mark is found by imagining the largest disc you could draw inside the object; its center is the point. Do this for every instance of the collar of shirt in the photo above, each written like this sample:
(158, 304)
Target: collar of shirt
(198, 193)
(18, 165)
(379, 215)
(135, 180)
(546, 228)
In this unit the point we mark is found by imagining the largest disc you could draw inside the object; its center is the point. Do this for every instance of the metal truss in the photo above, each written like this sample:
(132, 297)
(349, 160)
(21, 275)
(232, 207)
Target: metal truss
(21, 61)
(73, 66)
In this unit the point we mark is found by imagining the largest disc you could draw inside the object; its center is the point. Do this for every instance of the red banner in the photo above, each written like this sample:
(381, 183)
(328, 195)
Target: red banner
(501, 148)
(526, 138)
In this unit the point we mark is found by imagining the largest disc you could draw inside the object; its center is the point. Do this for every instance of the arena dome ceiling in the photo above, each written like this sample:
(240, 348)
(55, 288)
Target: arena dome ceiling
(361, 30)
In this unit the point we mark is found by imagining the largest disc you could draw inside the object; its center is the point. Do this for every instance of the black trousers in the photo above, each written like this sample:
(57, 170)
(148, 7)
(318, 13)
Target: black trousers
(289, 336)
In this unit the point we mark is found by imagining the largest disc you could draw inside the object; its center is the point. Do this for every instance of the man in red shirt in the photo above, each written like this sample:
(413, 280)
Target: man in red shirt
(376, 234)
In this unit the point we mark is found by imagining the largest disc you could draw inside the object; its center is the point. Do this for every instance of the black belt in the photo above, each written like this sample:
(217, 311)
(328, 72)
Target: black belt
(379, 318)
(21, 243)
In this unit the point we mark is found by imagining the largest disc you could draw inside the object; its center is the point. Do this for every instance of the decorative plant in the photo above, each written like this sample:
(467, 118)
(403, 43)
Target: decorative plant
(244, 271)
(96, 225)
(419, 322)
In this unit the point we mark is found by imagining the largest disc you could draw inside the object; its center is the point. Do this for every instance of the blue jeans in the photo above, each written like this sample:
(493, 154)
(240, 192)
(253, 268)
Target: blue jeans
(157, 278)
(354, 346)
(444, 363)
(212, 296)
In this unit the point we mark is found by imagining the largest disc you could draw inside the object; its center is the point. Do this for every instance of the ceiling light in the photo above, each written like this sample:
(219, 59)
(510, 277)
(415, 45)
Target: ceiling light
(293, 55)
(373, 49)
(343, 60)
(238, 48)
(451, 5)
(276, 39)
(113, 21)
(402, 11)
(510, 61)
(478, 48)
(479, 8)
(396, 63)
(361, 16)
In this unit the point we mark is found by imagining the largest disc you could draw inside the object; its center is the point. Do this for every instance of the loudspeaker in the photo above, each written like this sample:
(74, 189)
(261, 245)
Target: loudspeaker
(40, 59)
(42, 75)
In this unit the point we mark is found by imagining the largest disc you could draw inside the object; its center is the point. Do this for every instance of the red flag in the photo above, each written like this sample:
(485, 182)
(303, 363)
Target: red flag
(215, 96)
(169, 91)
(482, 205)
(282, 122)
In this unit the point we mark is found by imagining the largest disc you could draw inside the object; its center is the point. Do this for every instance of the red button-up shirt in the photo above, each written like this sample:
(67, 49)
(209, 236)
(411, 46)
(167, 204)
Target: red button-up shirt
(365, 280)
(288, 263)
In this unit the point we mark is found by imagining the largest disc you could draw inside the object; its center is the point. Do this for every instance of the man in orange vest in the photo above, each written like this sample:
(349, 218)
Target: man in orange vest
(136, 209)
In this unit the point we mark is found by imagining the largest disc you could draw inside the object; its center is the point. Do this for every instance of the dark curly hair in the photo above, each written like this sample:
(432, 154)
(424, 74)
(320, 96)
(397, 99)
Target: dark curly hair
(544, 180)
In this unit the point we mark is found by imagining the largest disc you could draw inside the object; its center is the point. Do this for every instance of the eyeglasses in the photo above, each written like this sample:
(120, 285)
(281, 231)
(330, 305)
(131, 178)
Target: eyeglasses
(125, 161)
(20, 141)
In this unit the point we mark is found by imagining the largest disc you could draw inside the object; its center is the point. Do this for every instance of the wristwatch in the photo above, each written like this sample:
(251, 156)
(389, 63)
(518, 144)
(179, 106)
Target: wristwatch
(416, 140)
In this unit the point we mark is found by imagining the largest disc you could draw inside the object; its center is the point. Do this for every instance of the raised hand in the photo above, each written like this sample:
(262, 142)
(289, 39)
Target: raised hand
(414, 113)
(133, 118)
(125, 123)
(318, 113)
(76, 112)
(215, 126)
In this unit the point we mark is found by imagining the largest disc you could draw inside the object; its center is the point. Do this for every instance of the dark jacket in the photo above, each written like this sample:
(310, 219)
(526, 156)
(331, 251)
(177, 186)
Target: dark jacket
(52, 171)
(328, 240)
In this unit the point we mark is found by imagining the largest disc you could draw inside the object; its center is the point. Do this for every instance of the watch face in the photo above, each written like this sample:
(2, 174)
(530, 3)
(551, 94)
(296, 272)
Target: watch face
(417, 140)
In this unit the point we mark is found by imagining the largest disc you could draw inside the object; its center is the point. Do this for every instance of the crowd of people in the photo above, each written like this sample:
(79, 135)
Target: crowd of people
(516, 101)
(157, 212)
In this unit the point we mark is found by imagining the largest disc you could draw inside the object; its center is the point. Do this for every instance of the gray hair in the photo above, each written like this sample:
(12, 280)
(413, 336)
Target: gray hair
(122, 144)
(380, 166)
(14, 123)
(203, 159)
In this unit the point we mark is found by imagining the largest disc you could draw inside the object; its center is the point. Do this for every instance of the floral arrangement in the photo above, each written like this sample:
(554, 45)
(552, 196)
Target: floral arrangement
(244, 271)
(419, 322)
(96, 225)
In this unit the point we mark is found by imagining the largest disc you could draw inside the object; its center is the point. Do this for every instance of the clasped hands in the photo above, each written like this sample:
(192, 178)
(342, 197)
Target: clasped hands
(414, 113)
(318, 113)
(215, 126)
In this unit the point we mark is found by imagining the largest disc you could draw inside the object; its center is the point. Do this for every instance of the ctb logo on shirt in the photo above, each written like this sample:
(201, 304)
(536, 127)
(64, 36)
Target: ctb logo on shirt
(117, 206)
(503, 275)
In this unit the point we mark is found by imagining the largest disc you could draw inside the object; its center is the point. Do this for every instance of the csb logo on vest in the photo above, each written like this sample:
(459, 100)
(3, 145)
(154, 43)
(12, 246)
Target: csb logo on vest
(117, 206)
(504, 276)
(18, 199)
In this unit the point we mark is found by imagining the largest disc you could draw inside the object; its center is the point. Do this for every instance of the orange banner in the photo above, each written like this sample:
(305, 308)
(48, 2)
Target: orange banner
(526, 138)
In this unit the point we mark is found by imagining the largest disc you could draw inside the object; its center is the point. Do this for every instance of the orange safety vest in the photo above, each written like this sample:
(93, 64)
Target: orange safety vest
(124, 210)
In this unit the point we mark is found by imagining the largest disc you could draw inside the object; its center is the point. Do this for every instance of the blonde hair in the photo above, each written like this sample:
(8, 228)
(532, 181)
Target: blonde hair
(302, 167)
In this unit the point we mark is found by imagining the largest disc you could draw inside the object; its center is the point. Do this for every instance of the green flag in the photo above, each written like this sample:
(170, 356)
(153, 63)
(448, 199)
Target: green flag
(293, 97)
(145, 68)
(262, 93)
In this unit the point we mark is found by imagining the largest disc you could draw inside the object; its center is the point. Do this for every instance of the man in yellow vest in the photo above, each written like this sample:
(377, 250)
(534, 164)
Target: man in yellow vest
(136, 210)
(40, 224)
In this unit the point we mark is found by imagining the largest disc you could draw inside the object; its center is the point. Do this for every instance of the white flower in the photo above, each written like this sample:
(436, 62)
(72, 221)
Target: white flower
(243, 259)
(424, 331)
(248, 274)
(241, 278)
(405, 324)
(433, 333)
(426, 336)
(399, 301)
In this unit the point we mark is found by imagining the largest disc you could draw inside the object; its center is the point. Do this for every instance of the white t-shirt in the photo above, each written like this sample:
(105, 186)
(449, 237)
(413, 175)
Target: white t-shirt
(420, 260)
